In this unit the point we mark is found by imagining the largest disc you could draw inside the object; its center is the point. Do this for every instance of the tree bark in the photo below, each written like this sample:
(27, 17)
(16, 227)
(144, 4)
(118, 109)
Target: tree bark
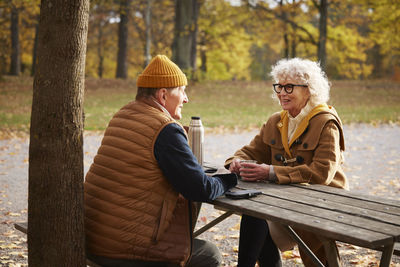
(15, 66)
(323, 19)
(147, 18)
(55, 202)
(182, 43)
(122, 68)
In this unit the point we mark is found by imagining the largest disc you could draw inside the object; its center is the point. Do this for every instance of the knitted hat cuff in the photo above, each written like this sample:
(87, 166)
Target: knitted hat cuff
(159, 81)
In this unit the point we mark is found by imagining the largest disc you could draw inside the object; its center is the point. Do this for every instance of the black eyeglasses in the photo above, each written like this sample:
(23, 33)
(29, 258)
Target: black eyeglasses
(288, 87)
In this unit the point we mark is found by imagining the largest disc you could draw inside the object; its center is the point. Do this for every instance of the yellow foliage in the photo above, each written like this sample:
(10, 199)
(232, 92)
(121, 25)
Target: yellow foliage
(347, 52)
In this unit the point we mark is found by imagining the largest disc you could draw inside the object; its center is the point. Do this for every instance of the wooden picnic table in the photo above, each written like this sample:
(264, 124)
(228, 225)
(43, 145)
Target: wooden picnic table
(335, 214)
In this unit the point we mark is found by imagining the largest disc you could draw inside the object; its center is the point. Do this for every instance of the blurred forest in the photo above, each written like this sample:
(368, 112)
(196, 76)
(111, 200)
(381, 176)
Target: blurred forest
(220, 39)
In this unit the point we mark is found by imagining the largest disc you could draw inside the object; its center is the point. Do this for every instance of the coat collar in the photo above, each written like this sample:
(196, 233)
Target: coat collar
(284, 122)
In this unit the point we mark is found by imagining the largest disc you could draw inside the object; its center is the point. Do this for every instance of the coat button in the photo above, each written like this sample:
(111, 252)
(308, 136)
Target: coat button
(280, 124)
(305, 145)
(299, 159)
(273, 142)
(279, 157)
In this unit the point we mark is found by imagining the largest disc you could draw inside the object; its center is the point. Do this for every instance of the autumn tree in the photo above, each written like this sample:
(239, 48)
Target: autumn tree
(147, 19)
(15, 66)
(323, 20)
(102, 42)
(101, 39)
(153, 22)
(55, 204)
(224, 42)
(122, 68)
(384, 32)
(184, 25)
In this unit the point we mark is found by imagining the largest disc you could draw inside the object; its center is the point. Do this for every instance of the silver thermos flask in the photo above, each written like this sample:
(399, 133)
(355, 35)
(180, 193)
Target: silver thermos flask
(196, 138)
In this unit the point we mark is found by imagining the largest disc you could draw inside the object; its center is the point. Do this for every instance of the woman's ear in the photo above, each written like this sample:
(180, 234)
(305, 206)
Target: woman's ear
(161, 96)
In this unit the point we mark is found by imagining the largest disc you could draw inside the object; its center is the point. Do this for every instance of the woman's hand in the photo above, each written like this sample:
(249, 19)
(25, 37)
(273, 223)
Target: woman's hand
(253, 172)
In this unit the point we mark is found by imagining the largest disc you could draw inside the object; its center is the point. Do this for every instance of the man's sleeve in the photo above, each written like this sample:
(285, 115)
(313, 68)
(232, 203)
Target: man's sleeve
(181, 169)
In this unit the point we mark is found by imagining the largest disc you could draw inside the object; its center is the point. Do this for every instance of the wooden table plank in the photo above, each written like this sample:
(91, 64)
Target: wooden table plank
(350, 200)
(364, 197)
(332, 202)
(326, 211)
(372, 220)
(330, 229)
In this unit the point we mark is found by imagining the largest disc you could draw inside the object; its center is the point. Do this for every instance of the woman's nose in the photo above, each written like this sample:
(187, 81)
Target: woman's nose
(283, 91)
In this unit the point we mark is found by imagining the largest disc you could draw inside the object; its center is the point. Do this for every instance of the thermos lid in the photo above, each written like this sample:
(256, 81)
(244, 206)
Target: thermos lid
(195, 118)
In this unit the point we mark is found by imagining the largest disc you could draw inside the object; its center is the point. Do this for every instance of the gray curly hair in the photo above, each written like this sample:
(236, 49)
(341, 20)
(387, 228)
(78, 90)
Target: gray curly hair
(307, 71)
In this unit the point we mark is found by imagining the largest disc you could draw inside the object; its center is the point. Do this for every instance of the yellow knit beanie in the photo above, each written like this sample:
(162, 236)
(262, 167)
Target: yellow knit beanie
(161, 72)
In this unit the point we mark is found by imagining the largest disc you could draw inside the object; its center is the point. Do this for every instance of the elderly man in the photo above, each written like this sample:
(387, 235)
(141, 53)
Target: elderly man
(140, 189)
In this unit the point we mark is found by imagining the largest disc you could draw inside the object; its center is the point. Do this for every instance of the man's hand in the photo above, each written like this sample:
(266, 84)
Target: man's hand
(235, 166)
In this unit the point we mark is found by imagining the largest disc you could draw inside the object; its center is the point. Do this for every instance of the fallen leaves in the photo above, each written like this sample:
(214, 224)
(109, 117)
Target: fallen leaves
(13, 249)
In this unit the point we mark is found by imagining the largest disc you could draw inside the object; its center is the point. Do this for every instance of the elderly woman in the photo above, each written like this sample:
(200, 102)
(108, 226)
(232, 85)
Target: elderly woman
(301, 144)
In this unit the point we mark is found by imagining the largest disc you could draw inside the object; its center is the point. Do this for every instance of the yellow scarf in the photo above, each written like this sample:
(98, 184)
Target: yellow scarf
(284, 122)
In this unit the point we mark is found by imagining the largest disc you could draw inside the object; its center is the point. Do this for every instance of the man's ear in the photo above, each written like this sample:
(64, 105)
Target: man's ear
(161, 96)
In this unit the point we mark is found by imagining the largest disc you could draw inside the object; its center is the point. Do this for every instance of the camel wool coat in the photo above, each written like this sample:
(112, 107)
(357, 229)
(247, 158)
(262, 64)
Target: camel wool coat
(314, 155)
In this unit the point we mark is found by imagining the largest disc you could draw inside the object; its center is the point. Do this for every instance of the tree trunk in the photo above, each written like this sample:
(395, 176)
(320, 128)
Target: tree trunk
(100, 51)
(193, 50)
(377, 61)
(285, 34)
(55, 203)
(203, 53)
(34, 49)
(182, 43)
(323, 18)
(293, 47)
(15, 67)
(122, 68)
(147, 17)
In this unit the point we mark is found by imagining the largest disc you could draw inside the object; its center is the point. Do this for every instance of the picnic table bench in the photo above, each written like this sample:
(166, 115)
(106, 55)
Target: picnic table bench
(335, 214)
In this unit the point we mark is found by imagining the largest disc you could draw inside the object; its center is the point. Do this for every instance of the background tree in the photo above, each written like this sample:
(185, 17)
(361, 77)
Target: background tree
(35, 48)
(323, 20)
(147, 18)
(122, 68)
(360, 36)
(55, 204)
(15, 66)
(102, 39)
(194, 32)
(182, 45)
(384, 31)
(224, 41)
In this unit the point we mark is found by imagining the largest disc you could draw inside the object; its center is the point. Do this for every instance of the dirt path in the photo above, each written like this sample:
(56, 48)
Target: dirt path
(372, 166)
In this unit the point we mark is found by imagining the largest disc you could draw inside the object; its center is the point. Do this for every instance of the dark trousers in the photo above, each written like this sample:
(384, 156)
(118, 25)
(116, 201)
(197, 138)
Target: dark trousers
(256, 244)
(204, 254)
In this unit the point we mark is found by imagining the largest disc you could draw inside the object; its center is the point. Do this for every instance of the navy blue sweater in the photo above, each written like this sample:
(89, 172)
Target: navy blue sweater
(182, 170)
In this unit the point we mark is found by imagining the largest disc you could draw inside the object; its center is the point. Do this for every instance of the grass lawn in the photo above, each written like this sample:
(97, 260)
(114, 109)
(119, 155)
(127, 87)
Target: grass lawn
(224, 105)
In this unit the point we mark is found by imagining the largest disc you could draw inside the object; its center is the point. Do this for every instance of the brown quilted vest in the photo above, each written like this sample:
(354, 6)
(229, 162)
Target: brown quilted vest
(131, 211)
